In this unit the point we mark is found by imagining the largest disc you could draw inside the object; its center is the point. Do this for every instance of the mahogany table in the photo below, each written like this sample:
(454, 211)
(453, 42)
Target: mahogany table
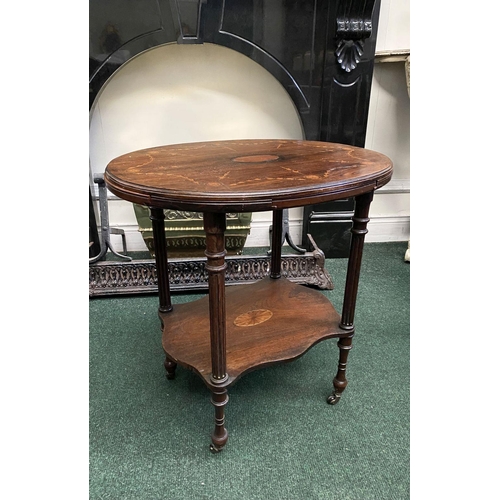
(230, 332)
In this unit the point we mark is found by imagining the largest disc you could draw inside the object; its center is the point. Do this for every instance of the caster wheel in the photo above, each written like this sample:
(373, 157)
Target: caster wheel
(214, 449)
(333, 399)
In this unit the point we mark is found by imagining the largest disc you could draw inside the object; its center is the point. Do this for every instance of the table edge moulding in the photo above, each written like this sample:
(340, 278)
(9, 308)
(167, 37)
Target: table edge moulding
(231, 332)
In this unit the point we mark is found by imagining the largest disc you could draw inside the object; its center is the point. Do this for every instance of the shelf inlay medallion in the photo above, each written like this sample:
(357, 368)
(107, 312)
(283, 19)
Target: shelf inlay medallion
(252, 318)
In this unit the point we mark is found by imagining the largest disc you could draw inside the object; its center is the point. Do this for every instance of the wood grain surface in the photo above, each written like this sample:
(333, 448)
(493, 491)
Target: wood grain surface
(270, 321)
(245, 175)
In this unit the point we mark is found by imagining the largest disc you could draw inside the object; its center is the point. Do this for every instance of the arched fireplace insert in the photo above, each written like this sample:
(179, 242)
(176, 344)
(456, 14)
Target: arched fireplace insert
(320, 51)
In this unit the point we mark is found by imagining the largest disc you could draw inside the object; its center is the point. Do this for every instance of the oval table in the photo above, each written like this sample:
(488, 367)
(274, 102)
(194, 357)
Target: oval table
(230, 332)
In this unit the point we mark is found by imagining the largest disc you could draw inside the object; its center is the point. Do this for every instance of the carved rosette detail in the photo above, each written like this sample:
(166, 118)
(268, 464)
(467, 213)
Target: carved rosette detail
(354, 26)
(349, 54)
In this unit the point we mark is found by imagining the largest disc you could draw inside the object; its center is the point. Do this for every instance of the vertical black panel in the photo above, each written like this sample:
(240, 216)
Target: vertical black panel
(345, 99)
(346, 82)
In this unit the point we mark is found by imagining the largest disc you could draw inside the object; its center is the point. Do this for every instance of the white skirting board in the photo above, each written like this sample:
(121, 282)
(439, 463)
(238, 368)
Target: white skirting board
(380, 229)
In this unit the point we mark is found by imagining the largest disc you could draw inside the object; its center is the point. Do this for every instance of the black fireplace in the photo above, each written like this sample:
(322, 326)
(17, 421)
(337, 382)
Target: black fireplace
(321, 51)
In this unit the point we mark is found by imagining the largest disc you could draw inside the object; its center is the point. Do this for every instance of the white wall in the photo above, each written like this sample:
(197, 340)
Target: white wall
(388, 129)
(148, 103)
(394, 25)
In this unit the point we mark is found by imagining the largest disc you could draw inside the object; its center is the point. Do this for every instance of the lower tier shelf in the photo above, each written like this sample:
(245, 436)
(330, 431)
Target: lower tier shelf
(271, 321)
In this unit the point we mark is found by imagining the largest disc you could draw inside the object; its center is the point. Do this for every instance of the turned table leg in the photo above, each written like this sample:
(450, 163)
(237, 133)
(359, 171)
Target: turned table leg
(276, 243)
(158, 223)
(359, 230)
(215, 225)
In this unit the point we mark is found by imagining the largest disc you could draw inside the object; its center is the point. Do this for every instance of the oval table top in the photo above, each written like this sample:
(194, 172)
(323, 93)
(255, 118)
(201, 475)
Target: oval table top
(245, 175)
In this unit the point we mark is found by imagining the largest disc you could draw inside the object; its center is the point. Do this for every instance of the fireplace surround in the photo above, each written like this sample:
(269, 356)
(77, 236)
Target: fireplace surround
(320, 51)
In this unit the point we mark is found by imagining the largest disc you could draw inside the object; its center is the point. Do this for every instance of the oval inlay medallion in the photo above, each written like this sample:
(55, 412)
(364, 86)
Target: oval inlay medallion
(256, 158)
(252, 318)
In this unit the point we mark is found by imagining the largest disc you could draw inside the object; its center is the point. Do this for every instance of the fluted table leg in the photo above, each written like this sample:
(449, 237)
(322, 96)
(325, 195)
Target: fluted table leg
(158, 224)
(359, 230)
(215, 225)
(276, 244)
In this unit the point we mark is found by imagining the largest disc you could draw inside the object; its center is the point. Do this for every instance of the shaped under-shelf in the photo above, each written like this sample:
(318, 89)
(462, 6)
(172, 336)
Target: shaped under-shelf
(270, 321)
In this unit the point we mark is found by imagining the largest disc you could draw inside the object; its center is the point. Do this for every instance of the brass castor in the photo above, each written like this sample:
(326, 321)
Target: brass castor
(215, 449)
(333, 399)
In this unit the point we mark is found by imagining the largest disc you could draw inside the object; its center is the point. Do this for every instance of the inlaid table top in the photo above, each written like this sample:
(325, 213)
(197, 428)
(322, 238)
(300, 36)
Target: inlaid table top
(245, 175)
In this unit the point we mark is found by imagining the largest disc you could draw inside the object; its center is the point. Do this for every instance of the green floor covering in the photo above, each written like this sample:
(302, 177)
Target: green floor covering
(149, 437)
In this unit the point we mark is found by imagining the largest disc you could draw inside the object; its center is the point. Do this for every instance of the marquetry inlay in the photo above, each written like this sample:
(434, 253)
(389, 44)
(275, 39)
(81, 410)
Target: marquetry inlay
(252, 318)
(256, 158)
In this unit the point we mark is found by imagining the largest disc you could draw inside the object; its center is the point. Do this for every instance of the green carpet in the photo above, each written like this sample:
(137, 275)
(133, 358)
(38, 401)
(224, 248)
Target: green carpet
(149, 437)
